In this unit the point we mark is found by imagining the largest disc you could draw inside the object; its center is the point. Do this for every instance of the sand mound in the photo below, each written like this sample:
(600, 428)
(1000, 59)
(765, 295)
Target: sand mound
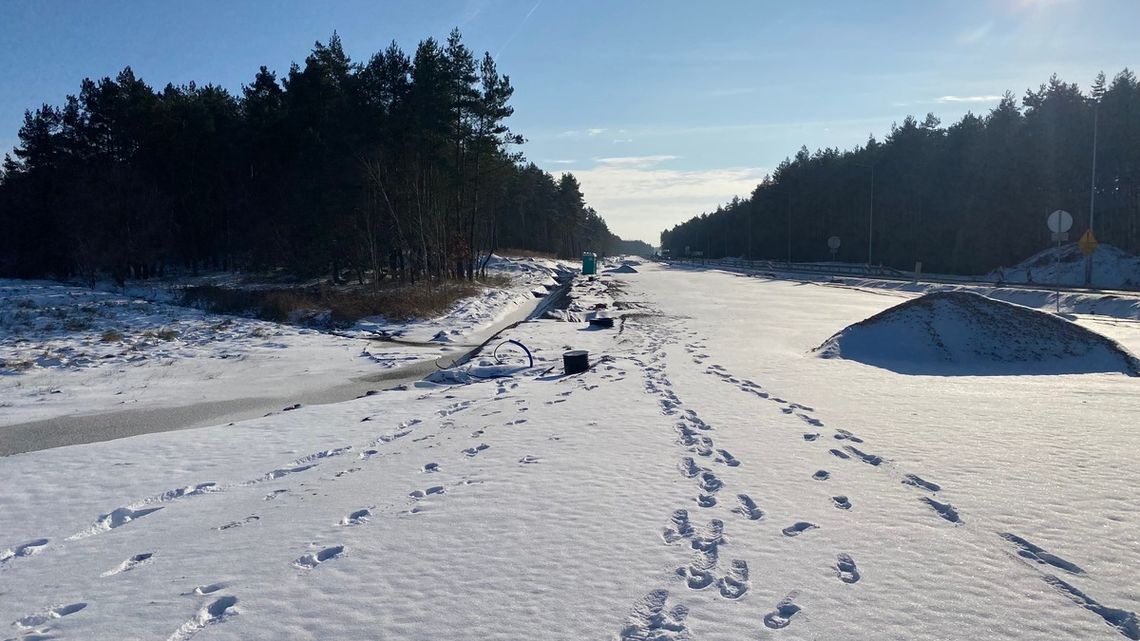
(961, 333)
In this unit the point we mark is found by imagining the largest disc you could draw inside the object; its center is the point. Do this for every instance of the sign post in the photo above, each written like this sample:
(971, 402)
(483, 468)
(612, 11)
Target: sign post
(1060, 222)
(833, 245)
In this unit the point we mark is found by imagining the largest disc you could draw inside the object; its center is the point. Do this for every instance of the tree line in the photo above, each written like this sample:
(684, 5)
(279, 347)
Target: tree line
(962, 199)
(400, 165)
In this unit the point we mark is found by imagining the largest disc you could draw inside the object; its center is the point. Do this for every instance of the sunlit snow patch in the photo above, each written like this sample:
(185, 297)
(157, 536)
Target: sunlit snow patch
(961, 333)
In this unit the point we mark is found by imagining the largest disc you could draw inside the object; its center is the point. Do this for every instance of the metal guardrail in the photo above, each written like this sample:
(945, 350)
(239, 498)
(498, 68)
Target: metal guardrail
(783, 266)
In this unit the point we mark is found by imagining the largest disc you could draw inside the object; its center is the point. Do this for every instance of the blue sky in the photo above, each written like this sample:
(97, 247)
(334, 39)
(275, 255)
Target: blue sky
(663, 109)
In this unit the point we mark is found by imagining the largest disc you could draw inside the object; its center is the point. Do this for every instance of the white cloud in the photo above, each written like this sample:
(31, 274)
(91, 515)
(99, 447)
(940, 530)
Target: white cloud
(945, 99)
(639, 198)
(578, 133)
(559, 162)
(635, 161)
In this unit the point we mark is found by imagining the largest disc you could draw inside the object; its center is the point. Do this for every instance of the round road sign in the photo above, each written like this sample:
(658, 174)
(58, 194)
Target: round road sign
(833, 242)
(1059, 221)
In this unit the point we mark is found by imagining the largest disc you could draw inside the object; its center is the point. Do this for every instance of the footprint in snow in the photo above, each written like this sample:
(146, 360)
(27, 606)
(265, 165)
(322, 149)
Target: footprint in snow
(841, 502)
(529, 460)
(869, 459)
(472, 451)
(1124, 621)
(734, 584)
(312, 560)
(650, 619)
(698, 574)
(846, 569)
(419, 494)
(114, 519)
(35, 620)
(1030, 551)
(821, 475)
(430, 467)
(130, 564)
(839, 453)
(690, 468)
(798, 528)
(232, 524)
(24, 549)
(217, 611)
(205, 590)
(706, 500)
(359, 517)
(286, 471)
(710, 537)
(748, 508)
(782, 615)
(917, 481)
(945, 510)
(814, 422)
(728, 459)
(710, 483)
(679, 528)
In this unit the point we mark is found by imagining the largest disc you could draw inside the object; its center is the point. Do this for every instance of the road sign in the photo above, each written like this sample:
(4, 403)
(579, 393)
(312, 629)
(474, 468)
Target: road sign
(1059, 221)
(833, 242)
(1087, 243)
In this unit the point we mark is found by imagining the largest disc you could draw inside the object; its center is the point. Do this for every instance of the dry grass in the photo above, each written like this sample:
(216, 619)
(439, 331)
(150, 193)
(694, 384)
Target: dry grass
(17, 365)
(167, 334)
(339, 307)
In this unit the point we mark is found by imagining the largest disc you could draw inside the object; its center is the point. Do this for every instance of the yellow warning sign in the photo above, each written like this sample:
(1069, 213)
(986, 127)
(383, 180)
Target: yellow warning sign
(1087, 243)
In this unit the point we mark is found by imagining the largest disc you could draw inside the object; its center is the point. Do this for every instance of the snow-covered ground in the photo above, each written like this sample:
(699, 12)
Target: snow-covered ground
(709, 478)
(1114, 304)
(1065, 265)
(68, 350)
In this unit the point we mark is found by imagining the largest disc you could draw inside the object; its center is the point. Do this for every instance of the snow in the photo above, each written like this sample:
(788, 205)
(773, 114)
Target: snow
(69, 350)
(966, 333)
(1065, 265)
(1114, 304)
(537, 505)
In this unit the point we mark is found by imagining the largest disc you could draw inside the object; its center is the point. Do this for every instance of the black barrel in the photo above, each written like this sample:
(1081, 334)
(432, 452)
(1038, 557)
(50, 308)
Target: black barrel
(576, 361)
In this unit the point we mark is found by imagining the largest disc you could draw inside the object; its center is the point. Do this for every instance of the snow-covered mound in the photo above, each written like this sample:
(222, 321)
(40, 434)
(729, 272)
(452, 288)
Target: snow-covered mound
(625, 268)
(1111, 267)
(962, 333)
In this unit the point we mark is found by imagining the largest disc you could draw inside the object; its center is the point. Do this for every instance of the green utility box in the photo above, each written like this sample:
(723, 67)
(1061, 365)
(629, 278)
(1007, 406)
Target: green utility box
(589, 263)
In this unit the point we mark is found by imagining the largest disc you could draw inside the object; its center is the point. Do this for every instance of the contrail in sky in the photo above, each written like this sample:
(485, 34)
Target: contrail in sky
(517, 30)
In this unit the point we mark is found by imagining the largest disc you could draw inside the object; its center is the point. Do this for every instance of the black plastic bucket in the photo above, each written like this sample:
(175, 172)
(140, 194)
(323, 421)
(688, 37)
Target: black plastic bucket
(576, 361)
